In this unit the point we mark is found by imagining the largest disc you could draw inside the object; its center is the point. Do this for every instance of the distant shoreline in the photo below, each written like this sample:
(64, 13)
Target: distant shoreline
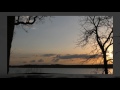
(61, 66)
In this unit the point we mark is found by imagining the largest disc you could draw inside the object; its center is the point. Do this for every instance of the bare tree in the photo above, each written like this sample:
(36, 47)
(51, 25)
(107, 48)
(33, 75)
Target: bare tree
(18, 20)
(97, 31)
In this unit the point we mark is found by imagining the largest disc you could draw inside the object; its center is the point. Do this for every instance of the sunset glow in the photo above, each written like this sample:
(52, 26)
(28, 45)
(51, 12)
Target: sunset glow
(52, 43)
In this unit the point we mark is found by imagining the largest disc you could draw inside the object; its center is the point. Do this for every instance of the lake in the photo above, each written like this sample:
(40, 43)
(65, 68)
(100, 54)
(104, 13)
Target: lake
(59, 70)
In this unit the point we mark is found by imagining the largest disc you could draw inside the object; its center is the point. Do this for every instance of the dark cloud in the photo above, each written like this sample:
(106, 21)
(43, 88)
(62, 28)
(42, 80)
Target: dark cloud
(48, 55)
(32, 61)
(82, 56)
(41, 60)
(69, 56)
(55, 59)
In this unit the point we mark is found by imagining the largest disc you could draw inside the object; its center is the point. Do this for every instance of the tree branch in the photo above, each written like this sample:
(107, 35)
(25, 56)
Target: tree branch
(18, 22)
(108, 37)
(108, 46)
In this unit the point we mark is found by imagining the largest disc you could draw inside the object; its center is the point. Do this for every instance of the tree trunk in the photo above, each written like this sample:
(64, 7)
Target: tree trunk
(105, 63)
(10, 31)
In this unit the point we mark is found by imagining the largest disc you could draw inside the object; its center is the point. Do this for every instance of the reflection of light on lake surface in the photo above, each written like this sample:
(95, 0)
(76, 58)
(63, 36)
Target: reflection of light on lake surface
(60, 70)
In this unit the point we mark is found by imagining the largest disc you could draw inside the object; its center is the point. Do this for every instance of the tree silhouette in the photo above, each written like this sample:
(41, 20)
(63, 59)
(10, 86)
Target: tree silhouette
(17, 20)
(98, 31)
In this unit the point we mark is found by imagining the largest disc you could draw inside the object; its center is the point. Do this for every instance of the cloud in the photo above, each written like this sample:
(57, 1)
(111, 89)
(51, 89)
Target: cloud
(32, 61)
(48, 55)
(68, 56)
(55, 59)
(82, 56)
(41, 60)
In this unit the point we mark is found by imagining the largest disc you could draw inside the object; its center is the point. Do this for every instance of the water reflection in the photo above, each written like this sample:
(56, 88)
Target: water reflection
(60, 70)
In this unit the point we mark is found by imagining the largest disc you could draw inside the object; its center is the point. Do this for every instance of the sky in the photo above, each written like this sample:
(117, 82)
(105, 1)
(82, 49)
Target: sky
(51, 42)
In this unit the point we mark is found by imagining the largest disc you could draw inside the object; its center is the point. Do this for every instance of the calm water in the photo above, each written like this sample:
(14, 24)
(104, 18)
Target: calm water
(59, 70)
